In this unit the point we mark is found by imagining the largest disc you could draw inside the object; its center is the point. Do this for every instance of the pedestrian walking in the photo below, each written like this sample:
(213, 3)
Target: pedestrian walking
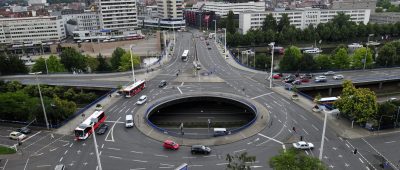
(294, 129)
(109, 95)
(51, 136)
(301, 138)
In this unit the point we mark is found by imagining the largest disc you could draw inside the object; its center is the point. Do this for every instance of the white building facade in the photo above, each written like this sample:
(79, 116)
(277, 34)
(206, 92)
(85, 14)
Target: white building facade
(300, 18)
(170, 9)
(31, 29)
(86, 21)
(118, 16)
(222, 8)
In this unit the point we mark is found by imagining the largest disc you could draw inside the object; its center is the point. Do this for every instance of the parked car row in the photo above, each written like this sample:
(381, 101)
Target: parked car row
(297, 79)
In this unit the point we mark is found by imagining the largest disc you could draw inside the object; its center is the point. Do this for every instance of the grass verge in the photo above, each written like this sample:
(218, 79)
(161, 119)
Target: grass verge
(6, 150)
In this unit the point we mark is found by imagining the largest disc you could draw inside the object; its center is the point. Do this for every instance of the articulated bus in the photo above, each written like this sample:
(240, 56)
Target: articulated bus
(185, 55)
(135, 88)
(84, 130)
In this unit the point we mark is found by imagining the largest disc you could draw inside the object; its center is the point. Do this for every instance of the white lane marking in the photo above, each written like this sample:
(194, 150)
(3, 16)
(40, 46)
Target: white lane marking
(347, 145)
(65, 152)
(179, 90)
(315, 127)
(71, 144)
(305, 131)
(102, 146)
(256, 166)
(41, 166)
(5, 164)
(51, 150)
(270, 138)
(100, 153)
(390, 142)
(188, 157)
(380, 154)
(37, 141)
(26, 163)
(61, 159)
(182, 83)
(262, 95)
(166, 164)
(239, 150)
(66, 144)
(362, 156)
(137, 152)
(295, 121)
(302, 117)
(111, 131)
(361, 160)
(161, 155)
(127, 110)
(116, 149)
(222, 164)
(209, 156)
(138, 169)
(326, 139)
(116, 157)
(139, 161)
(31, 136)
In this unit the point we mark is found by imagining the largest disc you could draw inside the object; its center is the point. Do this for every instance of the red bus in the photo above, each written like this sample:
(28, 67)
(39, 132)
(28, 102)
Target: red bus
(84, 130)
(134, 88)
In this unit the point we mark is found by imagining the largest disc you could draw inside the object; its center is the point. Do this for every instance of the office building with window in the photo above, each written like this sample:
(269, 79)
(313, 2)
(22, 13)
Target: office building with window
(118, 16)
(222, 8)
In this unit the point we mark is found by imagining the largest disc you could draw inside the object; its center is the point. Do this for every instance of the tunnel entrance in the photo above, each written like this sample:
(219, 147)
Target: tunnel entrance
(201, 114)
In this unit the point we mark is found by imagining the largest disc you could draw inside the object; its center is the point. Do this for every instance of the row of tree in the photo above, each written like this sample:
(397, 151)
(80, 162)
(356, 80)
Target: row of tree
(360, 105)
(386, 5)
(21, 103)
(339, 29)
(70, 60)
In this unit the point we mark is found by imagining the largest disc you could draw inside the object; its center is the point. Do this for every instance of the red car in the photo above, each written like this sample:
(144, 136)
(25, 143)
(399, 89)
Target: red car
(169, 144)
(276, 76)
(305, 80)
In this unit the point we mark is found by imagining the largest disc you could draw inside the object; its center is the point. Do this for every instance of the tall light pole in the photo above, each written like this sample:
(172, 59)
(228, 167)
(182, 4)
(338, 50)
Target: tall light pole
(215, 31)
(47, 69)
(94, 120)
(41, 98)
(321, 150)
(173, 29)
(133, 71)
(225, 43)
(272, 63)
(366, 51)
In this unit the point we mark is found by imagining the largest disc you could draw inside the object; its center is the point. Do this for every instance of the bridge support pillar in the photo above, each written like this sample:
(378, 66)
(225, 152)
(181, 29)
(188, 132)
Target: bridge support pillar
(330, 92)
(380, 85)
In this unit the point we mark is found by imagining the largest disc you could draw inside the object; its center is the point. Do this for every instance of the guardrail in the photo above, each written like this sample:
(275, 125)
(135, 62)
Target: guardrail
(198, 136)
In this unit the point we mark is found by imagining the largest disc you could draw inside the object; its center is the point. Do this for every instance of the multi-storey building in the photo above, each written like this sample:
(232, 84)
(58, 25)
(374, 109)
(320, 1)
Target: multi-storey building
(300, 18)
(31, 29)
(385, 17)
(170, 9)
(222, 8)
(118, 16)
(84, 21)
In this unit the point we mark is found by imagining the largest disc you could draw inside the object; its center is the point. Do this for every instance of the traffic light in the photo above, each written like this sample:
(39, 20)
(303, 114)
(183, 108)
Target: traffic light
(355, 151)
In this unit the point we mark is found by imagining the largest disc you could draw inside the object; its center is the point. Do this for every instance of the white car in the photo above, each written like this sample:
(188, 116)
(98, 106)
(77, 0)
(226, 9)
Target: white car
(329, 73)
(338, 77)
(142, 99)
(17, 135)
(320, 79)
(303, 145)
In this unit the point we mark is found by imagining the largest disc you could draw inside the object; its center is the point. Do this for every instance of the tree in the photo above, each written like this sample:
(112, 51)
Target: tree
(239, 162)
(116, 58)
(307, 63)
(73, 60)
(291, 59)
(53, 65)
(230, 23)
(11, 64)
(269, 23)
(63, 110)
(125, 63)
(323, 62)
(284, 22)
(92, 63)
(295, 159)
(103, 65)
(383, 3)
(341, 59)
(358, 58)
(387, 55)
(263, 61)
(358, 104)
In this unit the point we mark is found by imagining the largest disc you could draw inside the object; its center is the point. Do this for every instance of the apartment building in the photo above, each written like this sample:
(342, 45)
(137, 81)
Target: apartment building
(222, 8)
(300, 18)
(118, 16)
(170, 9)
(31, 29)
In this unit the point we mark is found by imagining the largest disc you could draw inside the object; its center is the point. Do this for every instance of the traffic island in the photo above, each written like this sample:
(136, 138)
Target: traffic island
(211, 118)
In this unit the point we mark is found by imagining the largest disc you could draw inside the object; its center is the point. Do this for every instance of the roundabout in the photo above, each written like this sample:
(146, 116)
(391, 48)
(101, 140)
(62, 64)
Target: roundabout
(196, 114)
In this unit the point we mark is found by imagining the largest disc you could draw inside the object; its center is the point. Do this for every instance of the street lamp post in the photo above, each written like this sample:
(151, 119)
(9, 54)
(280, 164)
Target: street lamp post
(225, 43)
(173, 29)
(47, 69)
(215, 31)
(133, 71)
(41, 98)
(93, 121)
(321, 150)
(366, 51)
(272, 62)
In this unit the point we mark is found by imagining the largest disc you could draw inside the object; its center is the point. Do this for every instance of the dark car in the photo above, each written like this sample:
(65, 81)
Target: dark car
(162, 83)
(102, 129)
(24, 130)
(296, 82)
(289, 80)
(209, 47)
(200, 149)
(306, 76)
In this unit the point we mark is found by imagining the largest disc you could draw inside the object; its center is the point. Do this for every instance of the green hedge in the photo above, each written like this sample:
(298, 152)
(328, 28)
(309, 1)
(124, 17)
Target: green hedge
(6, 150)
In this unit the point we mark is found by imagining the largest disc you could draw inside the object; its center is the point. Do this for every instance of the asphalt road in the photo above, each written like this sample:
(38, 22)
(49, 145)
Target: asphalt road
(122, 148)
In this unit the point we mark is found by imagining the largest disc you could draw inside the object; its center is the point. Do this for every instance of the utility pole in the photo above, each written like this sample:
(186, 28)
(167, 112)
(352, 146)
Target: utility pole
(272, 63)
(321, 150)
(41, 99)
(133, 71)
(94, 120)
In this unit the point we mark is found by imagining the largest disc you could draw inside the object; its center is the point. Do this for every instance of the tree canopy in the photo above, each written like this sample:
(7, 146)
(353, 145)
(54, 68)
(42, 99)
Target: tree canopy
(11, 64)
(291, 59)
(230, 23)
(73, 60)
(53, 65)
(116, 58)
(125, 63)
(239, 162)
(295, 159)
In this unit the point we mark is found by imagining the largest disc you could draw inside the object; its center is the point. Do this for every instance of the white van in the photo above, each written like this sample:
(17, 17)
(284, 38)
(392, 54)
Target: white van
(220, 132)
(129, 121)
